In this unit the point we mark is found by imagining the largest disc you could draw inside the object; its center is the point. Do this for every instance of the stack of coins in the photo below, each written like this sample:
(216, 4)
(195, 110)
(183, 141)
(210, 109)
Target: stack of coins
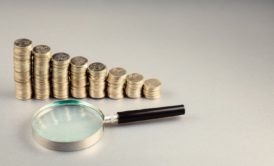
(134, 85)
(60, 80)
(97, 77)
(22, 68)
(78, 69)
(42, 56)
(116, 81)
(152, 89)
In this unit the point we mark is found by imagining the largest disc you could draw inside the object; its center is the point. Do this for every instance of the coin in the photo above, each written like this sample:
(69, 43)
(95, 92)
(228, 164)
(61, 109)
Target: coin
(60, 59)
(41, 50)
(60, 79)
(78, 69)
(22, 43)
(23, 90)
(116, 82)
(79, 61)
(42, 56)
(134, 85)
(97, 76)
(22, 68)
(152, 89)
(117, 73)
(97, 67)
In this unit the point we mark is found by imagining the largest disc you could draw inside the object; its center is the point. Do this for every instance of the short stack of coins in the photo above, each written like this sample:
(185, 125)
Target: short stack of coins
(116, 81)
(134, 85)
(97, 76)
(22, 68)
(42, 56)
(60, 80)
(78, 76)
(152, 89)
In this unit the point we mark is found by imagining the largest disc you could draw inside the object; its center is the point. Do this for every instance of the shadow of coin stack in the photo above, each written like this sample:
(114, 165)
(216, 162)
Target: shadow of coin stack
(42, 56)
(116, 81)
(97, 76)
(78, 69)
(22, 68)
(60, 80)
(134, 85)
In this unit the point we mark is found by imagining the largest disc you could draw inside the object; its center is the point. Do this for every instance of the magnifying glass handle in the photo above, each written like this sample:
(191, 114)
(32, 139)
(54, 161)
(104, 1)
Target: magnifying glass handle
(150, 113)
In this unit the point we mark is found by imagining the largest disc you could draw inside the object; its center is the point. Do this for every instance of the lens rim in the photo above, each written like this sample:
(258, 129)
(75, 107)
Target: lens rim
(67, 146)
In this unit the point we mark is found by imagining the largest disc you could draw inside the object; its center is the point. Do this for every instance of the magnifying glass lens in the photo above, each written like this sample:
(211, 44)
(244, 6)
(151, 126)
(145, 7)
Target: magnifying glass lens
(67, 123)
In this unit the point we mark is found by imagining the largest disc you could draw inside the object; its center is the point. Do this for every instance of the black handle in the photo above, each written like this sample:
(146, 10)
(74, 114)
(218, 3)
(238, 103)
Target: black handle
(150, 113)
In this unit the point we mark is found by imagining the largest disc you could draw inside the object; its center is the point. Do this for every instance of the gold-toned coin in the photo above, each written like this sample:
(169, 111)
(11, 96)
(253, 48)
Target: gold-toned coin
(60, 59)
(22, 68)
(22, 43)
(79, 92)
(152, 89)
(79, 61)
(78, 76)
(97, 76)
(134, 85)
(22, 49)
(60, 77)
(152, 83)
(23, 91)
(135, 78)
(42, 56)
(41, 50)
(116, 82)
(117, 74)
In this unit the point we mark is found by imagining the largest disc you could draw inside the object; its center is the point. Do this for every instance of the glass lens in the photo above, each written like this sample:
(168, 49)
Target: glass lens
(67, 121)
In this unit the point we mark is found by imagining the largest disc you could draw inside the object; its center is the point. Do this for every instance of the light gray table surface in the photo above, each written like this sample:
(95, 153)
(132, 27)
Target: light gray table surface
(216, 57)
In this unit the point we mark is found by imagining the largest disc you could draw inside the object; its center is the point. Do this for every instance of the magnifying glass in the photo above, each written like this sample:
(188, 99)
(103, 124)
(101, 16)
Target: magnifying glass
(70, 125)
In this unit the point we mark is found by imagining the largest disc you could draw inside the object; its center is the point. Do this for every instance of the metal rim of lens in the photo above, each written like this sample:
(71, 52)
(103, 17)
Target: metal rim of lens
(67, 146)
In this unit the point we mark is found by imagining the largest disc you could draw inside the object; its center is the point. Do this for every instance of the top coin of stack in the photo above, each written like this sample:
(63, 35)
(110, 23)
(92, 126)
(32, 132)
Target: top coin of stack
(22, 68)
(60, 80)
(134, 85)
(116, 80)
(97, 76)
(78, 69)
(152, 89)
(42, 56)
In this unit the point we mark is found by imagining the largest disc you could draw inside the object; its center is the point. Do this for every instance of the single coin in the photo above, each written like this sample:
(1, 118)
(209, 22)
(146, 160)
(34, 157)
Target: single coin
(60, 57)
(152, 83)
(97, 66)
(135, 77)
(79, 61)
(41, 49)
(118, 72)
(22, 42)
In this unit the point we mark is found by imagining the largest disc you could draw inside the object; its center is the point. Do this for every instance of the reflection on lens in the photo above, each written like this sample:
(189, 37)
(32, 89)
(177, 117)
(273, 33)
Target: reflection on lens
(61, 122)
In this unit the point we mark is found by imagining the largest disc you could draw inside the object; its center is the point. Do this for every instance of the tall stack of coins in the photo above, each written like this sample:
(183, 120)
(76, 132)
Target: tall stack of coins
(78, 69)
(134, 85)
(97, 76)
(42, 56)
(152, 89)
(22, 68)
(60, 79)
(116, 80)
